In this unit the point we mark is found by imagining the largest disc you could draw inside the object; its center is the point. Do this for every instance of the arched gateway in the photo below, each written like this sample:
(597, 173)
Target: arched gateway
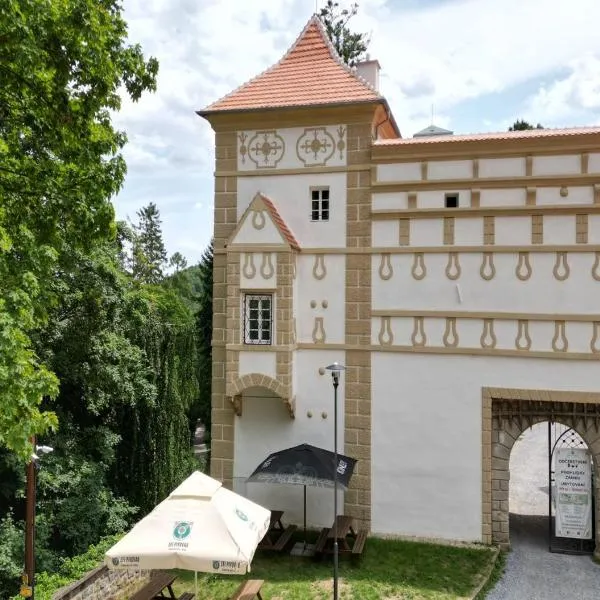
(507, 413)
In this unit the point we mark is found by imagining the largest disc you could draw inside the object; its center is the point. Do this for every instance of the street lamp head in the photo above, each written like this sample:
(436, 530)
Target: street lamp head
(44, 449)
(335, 369)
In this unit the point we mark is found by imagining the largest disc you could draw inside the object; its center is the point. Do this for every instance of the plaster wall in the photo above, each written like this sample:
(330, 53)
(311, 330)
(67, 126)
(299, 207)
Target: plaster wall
(576, 195)
(291, 196)
(425, 232)
(503, 198)
(468, 232)
(321, 298)
(389, 200)
(505, 292)
(427, 463)
(385, 233)
(555, 165)
(258, 361)
(265, 427)
(399, 172)
(594, 162)
(450, 169)
(513, 231)
(250, 234)
(291, 148)
(502, 167)
(436, 198)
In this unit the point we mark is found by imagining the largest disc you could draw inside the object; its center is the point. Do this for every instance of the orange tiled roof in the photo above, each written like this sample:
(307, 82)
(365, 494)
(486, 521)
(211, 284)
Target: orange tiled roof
(502, 135)
(280, 223)
(310, 73)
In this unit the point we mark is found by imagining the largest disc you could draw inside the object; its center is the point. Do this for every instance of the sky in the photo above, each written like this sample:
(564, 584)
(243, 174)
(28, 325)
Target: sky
(476, 65)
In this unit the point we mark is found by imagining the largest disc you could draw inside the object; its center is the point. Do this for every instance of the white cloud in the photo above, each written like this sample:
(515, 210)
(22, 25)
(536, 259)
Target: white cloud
(438, 52)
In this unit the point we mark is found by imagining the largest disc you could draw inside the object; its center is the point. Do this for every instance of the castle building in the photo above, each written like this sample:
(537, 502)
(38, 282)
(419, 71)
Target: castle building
(457, 277)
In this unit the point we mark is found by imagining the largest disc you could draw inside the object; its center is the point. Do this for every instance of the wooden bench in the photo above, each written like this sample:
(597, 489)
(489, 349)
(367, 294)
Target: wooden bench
(186, 596)
(284, 538)
(321, 540)
(156, 587)
(359, 542)
(249, 590)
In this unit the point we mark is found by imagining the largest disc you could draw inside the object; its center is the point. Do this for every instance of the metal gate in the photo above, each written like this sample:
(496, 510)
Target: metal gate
(561, 436)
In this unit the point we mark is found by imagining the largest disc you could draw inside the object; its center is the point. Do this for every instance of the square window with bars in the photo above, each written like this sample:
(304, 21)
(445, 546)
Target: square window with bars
(258, 318)
(319, 204)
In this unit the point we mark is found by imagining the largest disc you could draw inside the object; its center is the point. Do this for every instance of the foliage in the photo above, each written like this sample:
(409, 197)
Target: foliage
(178, 262)
(72, 569)
(521, 125)
(349, 45)
(204, 318)
(11, 553)
(149, 255)
(388, 569)
(62, 66)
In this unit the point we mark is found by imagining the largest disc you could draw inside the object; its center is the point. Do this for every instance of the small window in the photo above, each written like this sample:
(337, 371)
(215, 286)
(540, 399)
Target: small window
(451, 200)
(258, 318)
(319, 207)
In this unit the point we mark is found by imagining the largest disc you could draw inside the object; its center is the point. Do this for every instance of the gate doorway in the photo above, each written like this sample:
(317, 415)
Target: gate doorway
(507, 413)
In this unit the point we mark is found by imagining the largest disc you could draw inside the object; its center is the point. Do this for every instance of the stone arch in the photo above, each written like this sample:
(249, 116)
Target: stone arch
(237, 386)
(507, 414)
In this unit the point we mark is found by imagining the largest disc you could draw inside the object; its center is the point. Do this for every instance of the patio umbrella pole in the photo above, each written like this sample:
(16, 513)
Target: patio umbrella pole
(304, 517)
(196, 582)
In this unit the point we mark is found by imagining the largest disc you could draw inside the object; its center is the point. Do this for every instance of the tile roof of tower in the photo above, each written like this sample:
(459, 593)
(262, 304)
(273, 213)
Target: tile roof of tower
(310, 74)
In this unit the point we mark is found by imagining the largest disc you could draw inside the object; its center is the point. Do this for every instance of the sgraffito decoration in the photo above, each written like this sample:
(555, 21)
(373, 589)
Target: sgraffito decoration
(265, 149)
(315, 147)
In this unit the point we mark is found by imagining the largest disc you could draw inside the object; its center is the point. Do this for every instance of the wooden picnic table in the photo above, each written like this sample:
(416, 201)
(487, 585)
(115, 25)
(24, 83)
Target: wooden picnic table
(161, 583)
(349, 540)
(276, 524)
(277, 536)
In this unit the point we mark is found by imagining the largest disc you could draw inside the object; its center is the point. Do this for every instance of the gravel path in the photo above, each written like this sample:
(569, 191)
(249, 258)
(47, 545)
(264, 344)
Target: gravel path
(532, 572)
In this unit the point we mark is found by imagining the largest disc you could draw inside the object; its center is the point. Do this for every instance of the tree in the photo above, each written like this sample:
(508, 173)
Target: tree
(62, 67)
(521, 125)
(349, 45)
(149, 252)
(178, 261)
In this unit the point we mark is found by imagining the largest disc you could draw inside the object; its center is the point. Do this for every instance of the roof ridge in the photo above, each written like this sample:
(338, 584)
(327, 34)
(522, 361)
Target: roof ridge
(279, 221)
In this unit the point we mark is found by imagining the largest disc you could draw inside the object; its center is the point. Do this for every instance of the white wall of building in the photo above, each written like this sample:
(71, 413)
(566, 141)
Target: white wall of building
(557, 165)
(291, 195)
(426, 413)
(321, 298)
(258, 270)
(265, 427)
(450, 169)
(399, 172)
(501, 167)
(258, 361)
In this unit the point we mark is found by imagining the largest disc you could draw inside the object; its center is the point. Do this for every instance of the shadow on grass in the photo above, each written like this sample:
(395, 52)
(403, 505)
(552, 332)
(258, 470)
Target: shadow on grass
(387, 568)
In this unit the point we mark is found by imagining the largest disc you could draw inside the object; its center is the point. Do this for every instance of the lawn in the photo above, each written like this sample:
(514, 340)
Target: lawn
(388, 570)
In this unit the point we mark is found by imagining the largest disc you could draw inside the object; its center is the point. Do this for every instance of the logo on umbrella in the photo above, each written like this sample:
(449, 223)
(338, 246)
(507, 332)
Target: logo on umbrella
(243, 516)
(182, 530)
(115, 562)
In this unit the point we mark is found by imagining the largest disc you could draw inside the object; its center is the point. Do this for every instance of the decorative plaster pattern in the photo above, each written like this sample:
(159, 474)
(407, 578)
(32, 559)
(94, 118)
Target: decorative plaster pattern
(266, 149)
(318, 333)
(581, 229)
(453, 269)
(341, 143)
(419, 270)
(266, 268)
(489, 231)
(487, 269)
(559, 341)
(448, 231)
(450, 337)
(561, 268)
(386, 337)
(259, 220)
(243, 149)
(418, 337)
(596, 266)
(315, 147)
(319, 269)
(238, 385)
(523, 340)
(523, 269)
(488, 337)
(537, 229)
(404, 232)
(386, 270)
(249, 270)
(595, 337)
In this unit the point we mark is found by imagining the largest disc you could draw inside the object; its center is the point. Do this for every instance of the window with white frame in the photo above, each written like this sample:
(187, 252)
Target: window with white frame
(258, 318)
(319, 204)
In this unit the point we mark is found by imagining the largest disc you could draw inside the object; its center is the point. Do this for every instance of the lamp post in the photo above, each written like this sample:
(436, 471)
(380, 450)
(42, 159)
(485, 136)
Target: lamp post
(28, 582)
(336, 370)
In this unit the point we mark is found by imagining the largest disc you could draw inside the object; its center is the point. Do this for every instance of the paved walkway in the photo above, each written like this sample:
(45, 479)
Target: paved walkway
(532, 572)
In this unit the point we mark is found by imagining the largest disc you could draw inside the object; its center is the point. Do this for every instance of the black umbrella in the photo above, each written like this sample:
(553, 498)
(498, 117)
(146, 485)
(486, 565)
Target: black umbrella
(305, 465)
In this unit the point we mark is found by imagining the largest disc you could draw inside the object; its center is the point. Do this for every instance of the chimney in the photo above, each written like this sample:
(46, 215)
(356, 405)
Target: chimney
(369, 71)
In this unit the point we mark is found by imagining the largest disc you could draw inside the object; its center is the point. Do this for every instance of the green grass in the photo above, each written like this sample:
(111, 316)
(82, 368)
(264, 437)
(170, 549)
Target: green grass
(388, 570)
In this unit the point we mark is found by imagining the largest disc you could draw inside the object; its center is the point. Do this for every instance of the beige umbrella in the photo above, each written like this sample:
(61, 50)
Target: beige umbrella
(201, 526)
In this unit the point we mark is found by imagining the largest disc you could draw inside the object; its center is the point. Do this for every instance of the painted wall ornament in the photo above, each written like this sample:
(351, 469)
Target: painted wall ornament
(559, 341)
(243, 150)
(418, 337)
(488, 337)
(450, 338)
(341, 144)
(385, 268)
(258, 219)
(419, 270)
(453, 269)
(595, 337)
(319, 270)
(318, 334)
(523, 269)
(596, 267)
(315, 147)
(266, 149)
(487, 270)
(386, 337)
(523, 339)
(266, 268)
(561, 268)
(249, 270)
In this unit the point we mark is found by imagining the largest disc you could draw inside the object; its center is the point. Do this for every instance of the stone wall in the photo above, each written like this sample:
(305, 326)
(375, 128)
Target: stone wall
(104, 584)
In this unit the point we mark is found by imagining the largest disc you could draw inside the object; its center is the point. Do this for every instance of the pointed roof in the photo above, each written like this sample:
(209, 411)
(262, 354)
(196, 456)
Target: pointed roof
(311, 73)
(432, 130)
(260, 203)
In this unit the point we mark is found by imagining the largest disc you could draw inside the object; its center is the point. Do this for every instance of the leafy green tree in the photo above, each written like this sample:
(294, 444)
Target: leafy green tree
(149, 252)
(62, 66)
(349, 45)
(521, 125)
(204, 318)
(178, 261)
